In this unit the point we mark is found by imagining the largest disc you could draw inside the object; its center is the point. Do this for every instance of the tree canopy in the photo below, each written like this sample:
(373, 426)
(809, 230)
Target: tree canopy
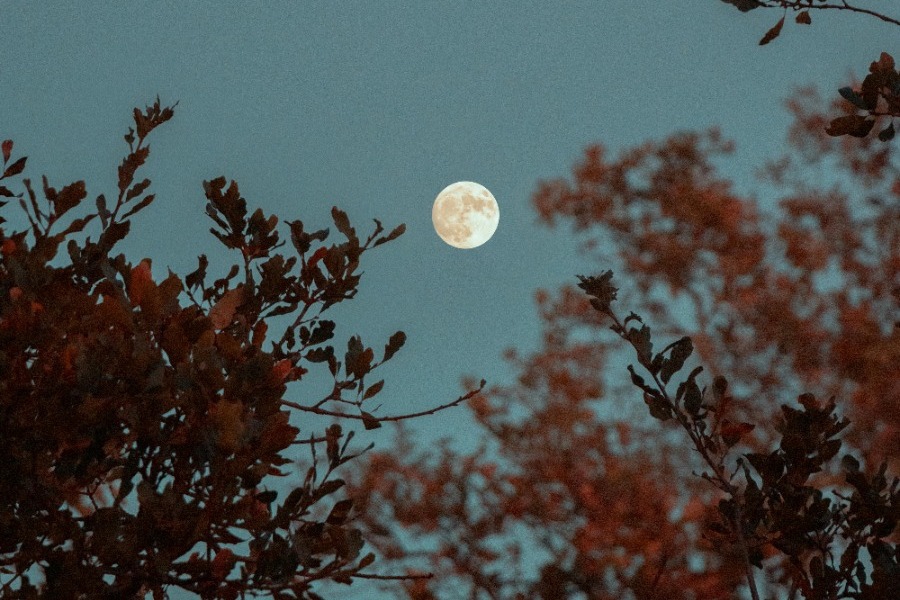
(145, 421)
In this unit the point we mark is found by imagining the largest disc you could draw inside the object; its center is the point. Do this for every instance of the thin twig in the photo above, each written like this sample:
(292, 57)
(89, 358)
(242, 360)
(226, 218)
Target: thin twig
(431, 411)
(842, 6)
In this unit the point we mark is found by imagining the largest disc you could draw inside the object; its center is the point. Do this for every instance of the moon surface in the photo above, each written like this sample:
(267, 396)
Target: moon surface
(465, 214)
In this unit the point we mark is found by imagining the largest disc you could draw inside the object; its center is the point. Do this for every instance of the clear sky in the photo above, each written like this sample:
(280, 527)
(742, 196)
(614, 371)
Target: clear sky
(375, 107)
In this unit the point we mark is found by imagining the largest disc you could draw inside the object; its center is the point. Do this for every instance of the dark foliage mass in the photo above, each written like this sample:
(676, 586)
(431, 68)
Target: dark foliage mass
(769, 501)
(138, 431)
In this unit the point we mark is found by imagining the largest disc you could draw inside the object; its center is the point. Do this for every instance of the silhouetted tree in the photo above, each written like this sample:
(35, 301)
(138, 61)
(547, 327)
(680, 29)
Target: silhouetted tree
(139, 434)
(575, 493)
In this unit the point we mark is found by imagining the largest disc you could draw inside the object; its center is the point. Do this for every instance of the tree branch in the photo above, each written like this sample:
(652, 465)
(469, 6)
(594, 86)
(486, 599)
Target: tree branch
(431, 411)
(796, 5)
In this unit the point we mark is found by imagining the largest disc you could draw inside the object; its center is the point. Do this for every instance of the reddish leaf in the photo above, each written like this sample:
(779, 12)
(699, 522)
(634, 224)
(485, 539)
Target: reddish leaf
(804, 18)
(281, 369)
(7, 150)
(772, 33)
(223, 312)
(140, 282)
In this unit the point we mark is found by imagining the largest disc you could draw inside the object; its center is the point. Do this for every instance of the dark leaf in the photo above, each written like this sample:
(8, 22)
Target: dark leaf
(641, 340)
(852, 97)
(15, 168)
(366, 560)
(637, 379)
(693, 399)
(340, 512)
(850, 464)
(318, 355)
(733, 432)
(196, 278)
(332, 436)
(69, 197)
(369, 421)
(855, 125)
(373, 389)
(137, 189)
(772, 33)
(397, 232)
(680, 352)
(659, 409)
(323, 332)
(4, 191)
(358, 359)
(887, 133)
(7, 150)
(301, 240)
(719, 388)
(267, 497)
(601, 289)
(140, 205)
(130, 165)
(394, 344)
(342, 223)
(78, 225)
(743, 5)
(329, 487)
(829, 449)
(804, 18)
(113, 234)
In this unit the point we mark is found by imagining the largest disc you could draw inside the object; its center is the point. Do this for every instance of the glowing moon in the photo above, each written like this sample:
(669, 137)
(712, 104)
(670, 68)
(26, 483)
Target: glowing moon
(465, 214)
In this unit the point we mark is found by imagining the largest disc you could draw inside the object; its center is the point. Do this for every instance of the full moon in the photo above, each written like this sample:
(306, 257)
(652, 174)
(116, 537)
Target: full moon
(465, 214)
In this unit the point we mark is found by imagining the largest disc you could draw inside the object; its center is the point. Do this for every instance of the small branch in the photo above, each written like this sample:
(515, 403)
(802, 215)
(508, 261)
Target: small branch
(721, 481)
(842, 6)
(431, 411)
(393, 577)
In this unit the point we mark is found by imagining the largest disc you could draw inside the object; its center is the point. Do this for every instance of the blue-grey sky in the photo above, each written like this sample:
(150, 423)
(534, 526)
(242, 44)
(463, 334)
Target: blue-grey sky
(375, 107)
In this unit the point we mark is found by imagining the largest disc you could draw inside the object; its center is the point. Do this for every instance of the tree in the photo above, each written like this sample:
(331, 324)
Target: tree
(795, 300)
(876, 100)
(141, 434)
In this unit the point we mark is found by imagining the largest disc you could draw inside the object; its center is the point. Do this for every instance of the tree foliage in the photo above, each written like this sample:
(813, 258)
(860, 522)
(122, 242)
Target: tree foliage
(142, 434)
(876, 100)
(575, 493)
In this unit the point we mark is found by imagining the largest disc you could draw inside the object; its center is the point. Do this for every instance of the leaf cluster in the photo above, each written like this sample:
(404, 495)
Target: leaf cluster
(771, 501)
(138, 429)
(879, 96)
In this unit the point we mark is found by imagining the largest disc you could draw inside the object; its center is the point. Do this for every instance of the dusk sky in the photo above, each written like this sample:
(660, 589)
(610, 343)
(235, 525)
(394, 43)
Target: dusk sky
(375, 107)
